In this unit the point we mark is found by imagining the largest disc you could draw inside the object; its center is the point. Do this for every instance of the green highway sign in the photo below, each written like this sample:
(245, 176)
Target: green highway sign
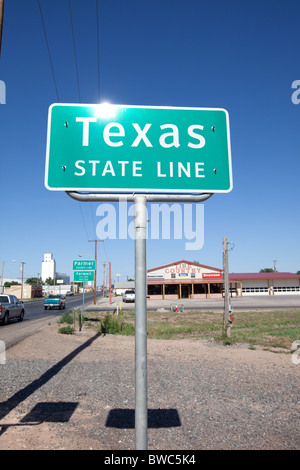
(116, 148)
(84, 265)
(83, 276)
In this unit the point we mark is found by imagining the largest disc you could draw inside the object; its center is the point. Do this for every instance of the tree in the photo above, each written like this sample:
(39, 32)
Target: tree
(33, 281)
(12, 283)
(50, 282)
(267, 270)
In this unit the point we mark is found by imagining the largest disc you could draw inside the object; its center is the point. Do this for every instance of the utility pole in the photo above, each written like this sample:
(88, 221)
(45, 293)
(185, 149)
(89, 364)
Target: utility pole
(2, 290)
(109, 282)
(104, 285)
(22, 263)
(226, 288)
(95, 278)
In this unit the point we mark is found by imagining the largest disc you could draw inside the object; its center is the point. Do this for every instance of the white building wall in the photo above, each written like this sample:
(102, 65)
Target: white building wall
(271, 287)
(255, 287)
(286, 286)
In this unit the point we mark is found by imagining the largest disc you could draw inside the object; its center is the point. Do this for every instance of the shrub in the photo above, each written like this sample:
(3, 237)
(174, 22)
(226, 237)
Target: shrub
(66, 330)
(115, 325)
(66, 318)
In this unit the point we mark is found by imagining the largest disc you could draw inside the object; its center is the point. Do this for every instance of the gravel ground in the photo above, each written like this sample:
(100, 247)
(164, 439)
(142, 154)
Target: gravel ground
(77, 392)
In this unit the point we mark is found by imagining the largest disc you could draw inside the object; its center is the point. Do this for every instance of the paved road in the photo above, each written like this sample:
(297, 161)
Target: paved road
(255, 302)
(36, 317)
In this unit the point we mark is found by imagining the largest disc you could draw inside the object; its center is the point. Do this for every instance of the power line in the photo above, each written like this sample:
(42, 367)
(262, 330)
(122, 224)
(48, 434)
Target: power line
(76, 67)
(74, 49)
(79, 96)
(1, 20)
(87, 235)
(92, 216)
(83, 221)
(97, 18)
(49, 54)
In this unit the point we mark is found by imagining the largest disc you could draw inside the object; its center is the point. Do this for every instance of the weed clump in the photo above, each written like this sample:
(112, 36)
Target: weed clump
(115, 325)
(66, 330)
(69, 319)
(66, 318)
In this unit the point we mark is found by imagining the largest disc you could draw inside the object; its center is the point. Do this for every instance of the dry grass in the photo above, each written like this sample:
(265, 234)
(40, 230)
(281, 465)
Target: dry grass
(270, 329)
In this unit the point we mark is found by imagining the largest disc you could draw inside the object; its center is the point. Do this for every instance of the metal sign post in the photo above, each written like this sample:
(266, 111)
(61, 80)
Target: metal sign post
(140, 227)
(141, 409)
(83, 271)
(83, 289)
(227, 329)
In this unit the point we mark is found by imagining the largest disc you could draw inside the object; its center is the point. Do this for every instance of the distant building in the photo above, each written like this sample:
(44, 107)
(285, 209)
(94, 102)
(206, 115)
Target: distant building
(48, 267)
(190, 280)
(64, 277)
(29, 292)
(121, 287)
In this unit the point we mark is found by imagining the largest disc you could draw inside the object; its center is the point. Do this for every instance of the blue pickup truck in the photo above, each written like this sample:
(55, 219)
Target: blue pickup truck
(54, 301)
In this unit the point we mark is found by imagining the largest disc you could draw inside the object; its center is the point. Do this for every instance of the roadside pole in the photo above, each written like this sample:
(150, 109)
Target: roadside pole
(226, 288)
(83, 289)
(141, 407)
(140, 230)
(84, 270)
(109, 283)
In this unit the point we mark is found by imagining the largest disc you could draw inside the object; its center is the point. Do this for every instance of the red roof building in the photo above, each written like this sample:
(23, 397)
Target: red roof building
(189, 279)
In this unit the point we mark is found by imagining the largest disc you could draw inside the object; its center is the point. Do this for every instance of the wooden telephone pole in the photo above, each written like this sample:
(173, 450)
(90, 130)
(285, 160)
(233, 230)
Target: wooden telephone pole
(95, 278)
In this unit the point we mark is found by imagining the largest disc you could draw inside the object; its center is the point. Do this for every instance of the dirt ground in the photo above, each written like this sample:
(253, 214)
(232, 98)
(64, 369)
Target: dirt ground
(77, 392)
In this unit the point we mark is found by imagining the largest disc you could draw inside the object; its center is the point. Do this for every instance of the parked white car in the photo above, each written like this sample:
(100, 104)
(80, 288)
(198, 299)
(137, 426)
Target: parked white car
(129, 296)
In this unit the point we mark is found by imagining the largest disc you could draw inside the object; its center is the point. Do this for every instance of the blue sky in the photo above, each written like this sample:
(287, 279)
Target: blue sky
(241, 56)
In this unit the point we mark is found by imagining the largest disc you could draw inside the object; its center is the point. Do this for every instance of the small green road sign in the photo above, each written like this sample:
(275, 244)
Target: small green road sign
(83, 276)
(116, 148)
(84, 265)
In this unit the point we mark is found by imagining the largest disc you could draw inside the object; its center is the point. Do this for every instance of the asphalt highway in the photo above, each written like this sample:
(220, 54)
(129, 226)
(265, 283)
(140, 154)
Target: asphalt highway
(36, 317)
